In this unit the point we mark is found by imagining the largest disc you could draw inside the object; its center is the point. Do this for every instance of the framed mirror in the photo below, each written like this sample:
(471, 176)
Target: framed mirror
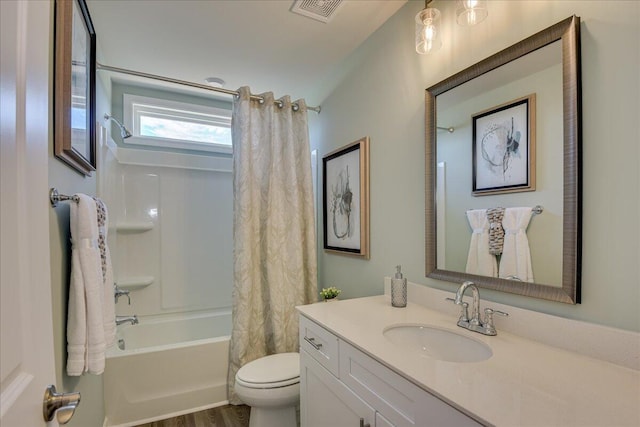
(478, 126)
(74, 97)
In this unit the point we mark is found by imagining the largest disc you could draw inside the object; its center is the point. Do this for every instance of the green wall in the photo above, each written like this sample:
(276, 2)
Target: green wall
(380, 93)
(90, 412)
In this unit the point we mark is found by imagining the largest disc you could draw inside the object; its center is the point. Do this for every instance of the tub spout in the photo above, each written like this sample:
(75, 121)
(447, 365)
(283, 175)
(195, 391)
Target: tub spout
(127, 319)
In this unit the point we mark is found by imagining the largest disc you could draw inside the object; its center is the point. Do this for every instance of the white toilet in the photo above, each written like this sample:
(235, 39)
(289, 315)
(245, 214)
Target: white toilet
(271, 386)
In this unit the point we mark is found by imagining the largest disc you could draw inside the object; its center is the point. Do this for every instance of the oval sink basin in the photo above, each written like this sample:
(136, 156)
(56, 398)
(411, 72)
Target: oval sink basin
(441, 344)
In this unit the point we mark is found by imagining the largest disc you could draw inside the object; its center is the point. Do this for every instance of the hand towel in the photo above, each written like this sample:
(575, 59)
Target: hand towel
(85, 321)
(515, 262)
(109, 310)
(479, 260)
(496, 232)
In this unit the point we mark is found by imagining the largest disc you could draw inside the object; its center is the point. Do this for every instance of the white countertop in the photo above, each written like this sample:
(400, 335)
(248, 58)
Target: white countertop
(524, 383)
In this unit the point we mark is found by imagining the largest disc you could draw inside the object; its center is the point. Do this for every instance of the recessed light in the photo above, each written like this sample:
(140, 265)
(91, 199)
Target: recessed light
(215, 81)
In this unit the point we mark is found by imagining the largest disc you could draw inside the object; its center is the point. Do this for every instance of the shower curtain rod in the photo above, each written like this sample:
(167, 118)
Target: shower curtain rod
(100, 66)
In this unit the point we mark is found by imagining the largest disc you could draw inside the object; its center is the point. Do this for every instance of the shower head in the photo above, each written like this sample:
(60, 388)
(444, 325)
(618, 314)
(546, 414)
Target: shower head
(124, 133)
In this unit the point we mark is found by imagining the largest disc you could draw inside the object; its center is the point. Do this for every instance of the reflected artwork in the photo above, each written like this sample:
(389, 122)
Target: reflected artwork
(503, 148)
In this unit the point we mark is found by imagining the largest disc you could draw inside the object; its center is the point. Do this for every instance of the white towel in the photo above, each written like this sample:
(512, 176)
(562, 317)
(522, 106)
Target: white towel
(480, 261)
(516, 257)
(85, 318)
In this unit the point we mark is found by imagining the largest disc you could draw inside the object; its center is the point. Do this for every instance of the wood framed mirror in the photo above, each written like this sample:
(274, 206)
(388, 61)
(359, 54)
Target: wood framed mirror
(546, 64)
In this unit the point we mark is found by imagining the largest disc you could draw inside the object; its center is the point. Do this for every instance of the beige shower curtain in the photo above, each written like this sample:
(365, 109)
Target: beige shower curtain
(274, 228)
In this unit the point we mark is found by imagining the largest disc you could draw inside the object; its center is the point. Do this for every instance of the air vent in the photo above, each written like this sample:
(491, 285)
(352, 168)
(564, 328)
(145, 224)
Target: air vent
(320, 10)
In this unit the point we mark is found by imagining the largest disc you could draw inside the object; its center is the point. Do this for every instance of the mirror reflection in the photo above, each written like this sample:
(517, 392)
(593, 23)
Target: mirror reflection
(538, 74)
(503, 171)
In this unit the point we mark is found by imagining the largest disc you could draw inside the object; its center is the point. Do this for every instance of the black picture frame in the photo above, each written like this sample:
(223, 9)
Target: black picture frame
(345, 195)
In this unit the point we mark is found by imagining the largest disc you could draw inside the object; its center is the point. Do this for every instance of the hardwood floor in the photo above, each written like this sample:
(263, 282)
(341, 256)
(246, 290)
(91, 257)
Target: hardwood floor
(222, 416)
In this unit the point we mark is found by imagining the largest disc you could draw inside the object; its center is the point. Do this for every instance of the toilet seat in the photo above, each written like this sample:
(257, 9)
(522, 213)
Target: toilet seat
(274, 371)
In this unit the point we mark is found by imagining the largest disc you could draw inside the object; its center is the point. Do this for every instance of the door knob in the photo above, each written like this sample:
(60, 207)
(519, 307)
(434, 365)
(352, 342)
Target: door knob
(63, 405)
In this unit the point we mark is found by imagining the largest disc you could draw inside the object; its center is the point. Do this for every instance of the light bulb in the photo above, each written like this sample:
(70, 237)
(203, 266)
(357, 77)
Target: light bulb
(427, 33)
(430, 32)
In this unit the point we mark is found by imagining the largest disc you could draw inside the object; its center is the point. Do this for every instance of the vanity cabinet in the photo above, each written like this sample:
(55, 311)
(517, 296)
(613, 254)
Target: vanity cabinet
(325, 401)
(340, 386)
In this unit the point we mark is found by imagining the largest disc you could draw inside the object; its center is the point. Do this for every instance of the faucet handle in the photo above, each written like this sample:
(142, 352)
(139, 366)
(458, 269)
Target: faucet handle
(464, 310)
(120, 292)
(488, 326)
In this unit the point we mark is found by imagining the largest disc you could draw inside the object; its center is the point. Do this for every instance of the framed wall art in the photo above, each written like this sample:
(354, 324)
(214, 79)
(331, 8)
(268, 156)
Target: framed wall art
(345, 193)
(504, 148)
(75, 88)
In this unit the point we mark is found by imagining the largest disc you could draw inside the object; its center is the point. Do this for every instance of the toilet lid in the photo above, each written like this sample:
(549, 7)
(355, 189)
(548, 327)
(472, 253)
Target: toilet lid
(277, 370)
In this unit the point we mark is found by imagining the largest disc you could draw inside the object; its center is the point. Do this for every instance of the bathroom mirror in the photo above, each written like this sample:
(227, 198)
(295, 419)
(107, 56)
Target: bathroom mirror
(545, 70)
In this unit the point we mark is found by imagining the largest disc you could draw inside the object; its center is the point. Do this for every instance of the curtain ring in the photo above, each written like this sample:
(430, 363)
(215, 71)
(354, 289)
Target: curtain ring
(279, 103)
(295, 107)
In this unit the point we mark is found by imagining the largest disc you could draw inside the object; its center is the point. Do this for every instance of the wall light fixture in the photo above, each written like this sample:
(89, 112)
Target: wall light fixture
(468, 12)
(471, 12)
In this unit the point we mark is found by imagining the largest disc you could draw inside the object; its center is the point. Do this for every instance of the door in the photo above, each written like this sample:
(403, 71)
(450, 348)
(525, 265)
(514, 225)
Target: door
(26, 348)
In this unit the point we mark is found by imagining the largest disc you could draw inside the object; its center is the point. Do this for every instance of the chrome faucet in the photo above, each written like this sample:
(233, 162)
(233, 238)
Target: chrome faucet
(474, 323)
(475, 309)
(117, 292)
(127, 319)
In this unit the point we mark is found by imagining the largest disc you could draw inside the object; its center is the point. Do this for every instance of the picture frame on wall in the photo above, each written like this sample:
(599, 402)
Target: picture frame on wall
(75, 88)
(504, 157)
(345, 194)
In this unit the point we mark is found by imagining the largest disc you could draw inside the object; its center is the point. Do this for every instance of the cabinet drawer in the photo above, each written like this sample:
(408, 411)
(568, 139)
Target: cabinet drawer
(321, 344)
(401, 402)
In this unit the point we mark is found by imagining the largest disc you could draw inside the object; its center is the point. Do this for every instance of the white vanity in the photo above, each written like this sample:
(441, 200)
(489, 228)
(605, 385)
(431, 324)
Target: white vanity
(342, 386)
(352, 374)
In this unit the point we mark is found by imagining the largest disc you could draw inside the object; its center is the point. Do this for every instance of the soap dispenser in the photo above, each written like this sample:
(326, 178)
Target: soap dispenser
(398, 289)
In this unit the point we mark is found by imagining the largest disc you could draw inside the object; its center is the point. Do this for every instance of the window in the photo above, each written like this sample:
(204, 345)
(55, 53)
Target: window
(165, 123)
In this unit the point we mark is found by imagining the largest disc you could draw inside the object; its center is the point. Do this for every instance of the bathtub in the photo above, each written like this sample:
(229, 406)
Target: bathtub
(167, 366)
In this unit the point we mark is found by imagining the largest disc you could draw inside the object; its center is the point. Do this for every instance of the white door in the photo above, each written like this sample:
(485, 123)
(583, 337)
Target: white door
(26, 350)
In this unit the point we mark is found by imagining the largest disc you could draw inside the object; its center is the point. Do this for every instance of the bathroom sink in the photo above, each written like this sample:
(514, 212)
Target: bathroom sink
(438, 343)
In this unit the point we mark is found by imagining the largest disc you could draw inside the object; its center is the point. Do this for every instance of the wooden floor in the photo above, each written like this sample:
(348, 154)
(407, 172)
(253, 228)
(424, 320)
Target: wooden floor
(222, 416)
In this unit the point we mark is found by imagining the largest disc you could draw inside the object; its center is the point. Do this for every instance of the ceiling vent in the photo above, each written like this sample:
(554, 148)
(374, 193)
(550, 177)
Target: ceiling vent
(320, 10)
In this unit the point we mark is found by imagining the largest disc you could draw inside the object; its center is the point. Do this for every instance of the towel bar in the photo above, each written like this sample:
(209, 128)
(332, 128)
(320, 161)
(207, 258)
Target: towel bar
(537, 210)
(55, 197)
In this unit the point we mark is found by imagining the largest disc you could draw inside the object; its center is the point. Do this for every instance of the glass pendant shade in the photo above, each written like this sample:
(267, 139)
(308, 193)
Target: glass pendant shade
(471, 12)
(428, 31)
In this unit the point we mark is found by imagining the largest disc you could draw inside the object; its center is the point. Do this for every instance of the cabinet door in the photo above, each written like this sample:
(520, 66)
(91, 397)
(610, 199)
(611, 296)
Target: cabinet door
(326, 402)
(400, 402)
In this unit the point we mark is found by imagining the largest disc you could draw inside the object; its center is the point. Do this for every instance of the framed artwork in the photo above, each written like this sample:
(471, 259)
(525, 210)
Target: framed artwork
(75, 88)
(504, 157)
(345, 191)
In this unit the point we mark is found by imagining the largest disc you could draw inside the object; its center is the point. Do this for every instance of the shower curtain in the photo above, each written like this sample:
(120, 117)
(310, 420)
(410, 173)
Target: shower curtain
(274, 228)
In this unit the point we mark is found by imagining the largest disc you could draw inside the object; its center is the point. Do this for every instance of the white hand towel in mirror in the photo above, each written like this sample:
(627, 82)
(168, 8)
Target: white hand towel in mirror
(516, 256)
(479, 260)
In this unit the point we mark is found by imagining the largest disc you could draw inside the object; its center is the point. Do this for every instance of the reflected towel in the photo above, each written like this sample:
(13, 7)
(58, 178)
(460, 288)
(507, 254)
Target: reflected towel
(479, 260)
(496, 232)
(516, 256)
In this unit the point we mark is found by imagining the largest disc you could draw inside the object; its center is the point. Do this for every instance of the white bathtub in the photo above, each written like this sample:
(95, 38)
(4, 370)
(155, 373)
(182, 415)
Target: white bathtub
(170, 365)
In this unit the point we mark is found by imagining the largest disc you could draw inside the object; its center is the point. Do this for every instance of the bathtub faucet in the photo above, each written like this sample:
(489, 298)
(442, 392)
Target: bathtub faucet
(127, 319)
(120, 292)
